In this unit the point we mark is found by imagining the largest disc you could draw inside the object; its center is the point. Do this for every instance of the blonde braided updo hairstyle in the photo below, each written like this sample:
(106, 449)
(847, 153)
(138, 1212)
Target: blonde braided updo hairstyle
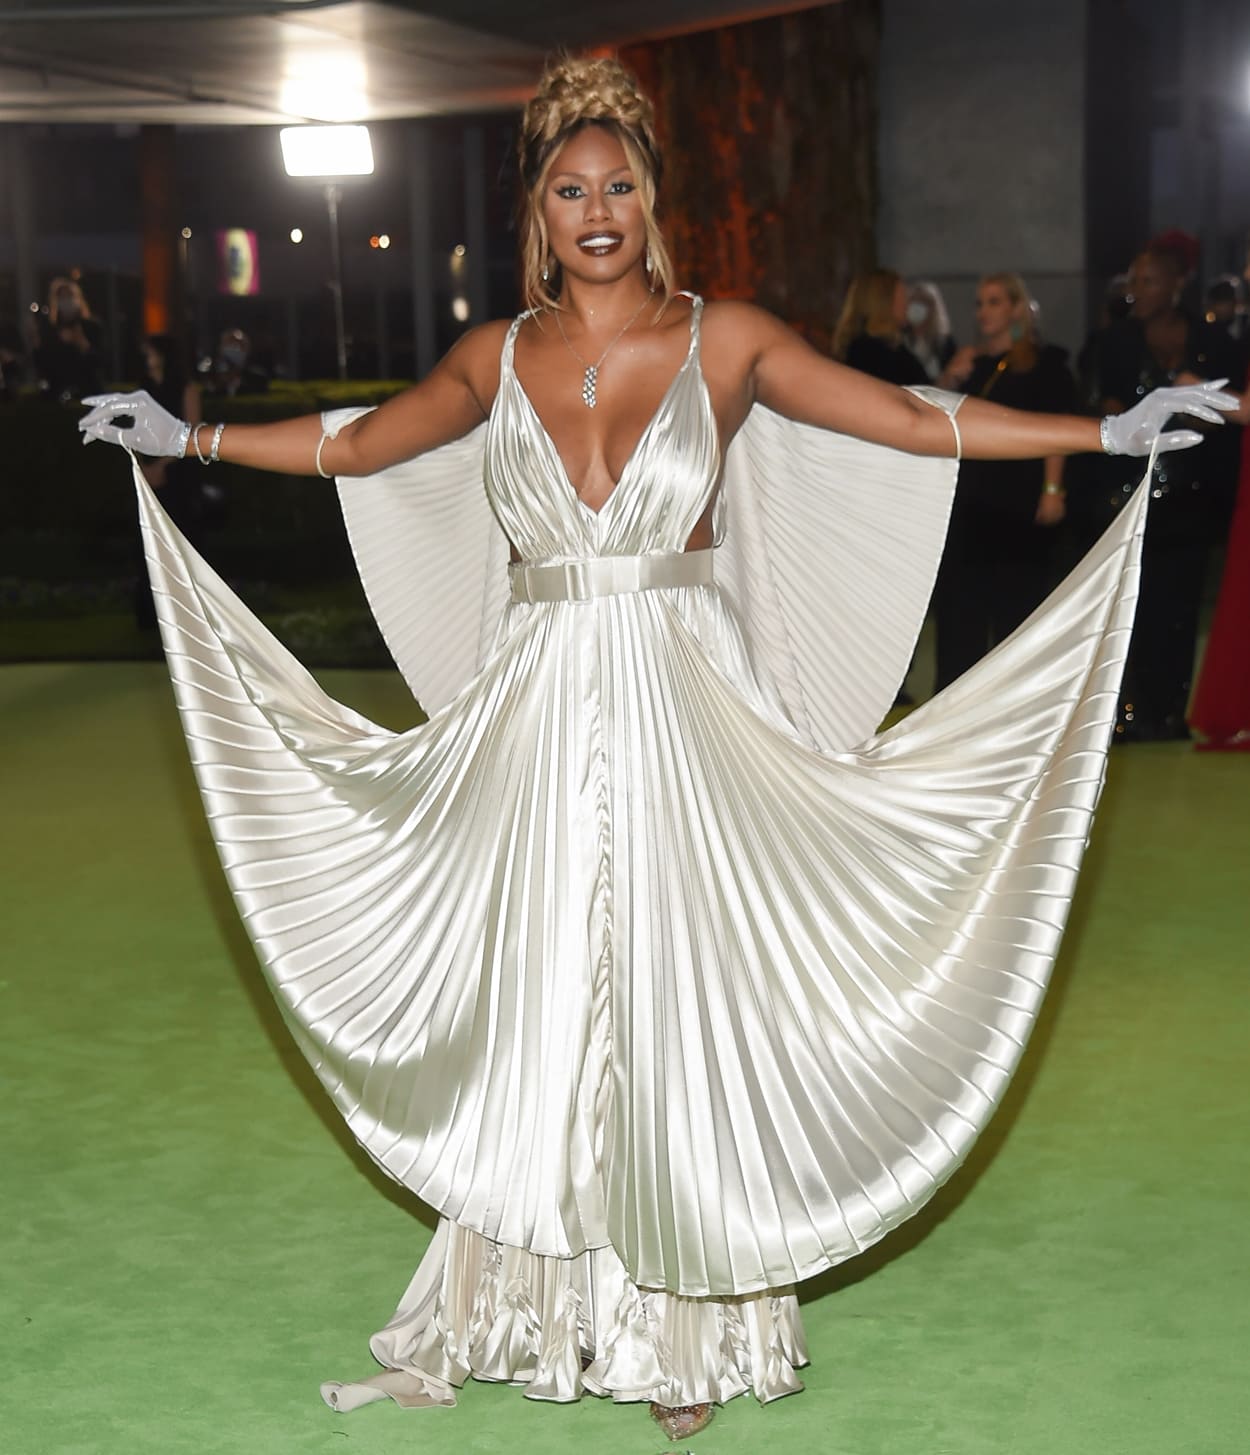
(575, 92)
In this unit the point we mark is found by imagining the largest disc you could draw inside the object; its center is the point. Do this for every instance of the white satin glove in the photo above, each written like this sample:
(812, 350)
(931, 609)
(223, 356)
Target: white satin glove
(1134, 432)
(154, 431)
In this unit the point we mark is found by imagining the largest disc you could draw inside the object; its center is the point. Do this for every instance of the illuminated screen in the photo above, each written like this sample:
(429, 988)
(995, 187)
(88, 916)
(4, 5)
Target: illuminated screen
(238, 262)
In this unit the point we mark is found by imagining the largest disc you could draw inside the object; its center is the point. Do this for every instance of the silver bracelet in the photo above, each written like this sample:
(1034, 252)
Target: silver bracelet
(1104, 436)
(195, 440)
(182, 439)
(321, 443)
(217, 434)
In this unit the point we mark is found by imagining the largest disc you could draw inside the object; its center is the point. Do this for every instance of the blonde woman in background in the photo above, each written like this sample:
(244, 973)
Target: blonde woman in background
(869, 335)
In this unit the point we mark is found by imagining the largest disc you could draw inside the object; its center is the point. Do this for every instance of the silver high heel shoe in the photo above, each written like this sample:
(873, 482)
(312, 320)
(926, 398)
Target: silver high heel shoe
(681, 1421)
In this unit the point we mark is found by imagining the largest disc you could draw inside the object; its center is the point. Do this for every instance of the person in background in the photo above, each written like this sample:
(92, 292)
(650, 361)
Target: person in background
(233, 370)
(68, 344)
(1220, 711)
(999, 557)
(1222, 305)
(927, 332)
(1224, 309)
(869, 335)
(1159, 343)
(1116, 307)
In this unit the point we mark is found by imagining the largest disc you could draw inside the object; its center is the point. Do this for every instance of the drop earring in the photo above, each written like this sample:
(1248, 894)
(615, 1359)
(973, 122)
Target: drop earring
(546, 273)
(648, 263)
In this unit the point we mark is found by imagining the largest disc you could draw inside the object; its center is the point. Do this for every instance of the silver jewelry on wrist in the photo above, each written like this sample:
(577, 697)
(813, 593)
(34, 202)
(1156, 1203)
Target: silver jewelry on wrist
(182, 439)
(321, 444)
(1104, 436)
(195, 440)
(217, 434)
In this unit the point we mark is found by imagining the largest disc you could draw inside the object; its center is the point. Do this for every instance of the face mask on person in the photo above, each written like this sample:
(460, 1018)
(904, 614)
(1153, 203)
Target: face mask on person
(232, 357)
(917, 313)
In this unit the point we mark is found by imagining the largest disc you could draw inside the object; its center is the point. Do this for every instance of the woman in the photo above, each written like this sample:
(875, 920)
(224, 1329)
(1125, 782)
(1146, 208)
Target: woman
(1156, 345)
(1220, 711)
(594, 961)
(996, 567)
(927, 333)
(869, 335)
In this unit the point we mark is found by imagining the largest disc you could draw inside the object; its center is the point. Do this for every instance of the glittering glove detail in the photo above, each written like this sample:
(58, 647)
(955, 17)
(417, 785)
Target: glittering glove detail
(1134, 432)
(152, 431)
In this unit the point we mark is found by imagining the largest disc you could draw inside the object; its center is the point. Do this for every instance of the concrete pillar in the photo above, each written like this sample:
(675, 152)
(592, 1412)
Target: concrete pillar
(981, 151)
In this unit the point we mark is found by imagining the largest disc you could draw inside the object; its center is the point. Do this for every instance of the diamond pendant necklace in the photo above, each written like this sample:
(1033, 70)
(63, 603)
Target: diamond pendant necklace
(590, 379)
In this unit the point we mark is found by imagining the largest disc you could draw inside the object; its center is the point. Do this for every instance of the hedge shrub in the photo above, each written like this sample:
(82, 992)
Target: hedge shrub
(68, 513)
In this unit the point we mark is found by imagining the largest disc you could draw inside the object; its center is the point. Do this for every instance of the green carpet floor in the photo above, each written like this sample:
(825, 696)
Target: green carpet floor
(191, 1243)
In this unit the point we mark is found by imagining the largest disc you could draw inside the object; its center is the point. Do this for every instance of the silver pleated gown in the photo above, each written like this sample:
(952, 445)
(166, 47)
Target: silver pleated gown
(644, 961)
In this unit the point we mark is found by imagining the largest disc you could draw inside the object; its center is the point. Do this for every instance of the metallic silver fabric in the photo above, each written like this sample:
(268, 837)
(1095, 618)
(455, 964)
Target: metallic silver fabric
(609, 576)
(607, 956)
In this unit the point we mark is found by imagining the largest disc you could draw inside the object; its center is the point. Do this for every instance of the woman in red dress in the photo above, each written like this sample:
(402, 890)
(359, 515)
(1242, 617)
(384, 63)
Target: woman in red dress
(1220, 713)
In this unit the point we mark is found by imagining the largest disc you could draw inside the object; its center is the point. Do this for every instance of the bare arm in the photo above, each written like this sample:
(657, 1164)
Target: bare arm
(192, 401)
(454, 398)
(449, 402)
(794, 380)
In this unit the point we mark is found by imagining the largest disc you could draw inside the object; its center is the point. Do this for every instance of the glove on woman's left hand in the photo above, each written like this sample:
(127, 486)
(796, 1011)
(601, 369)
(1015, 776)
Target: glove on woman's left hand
(1134, 432)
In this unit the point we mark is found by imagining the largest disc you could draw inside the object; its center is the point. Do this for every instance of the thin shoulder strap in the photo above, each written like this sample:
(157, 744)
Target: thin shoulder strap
(696, 318)
(509, 343)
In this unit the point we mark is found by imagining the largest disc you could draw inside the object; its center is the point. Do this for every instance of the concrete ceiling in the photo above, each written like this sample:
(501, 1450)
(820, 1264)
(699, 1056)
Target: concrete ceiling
(241, 62)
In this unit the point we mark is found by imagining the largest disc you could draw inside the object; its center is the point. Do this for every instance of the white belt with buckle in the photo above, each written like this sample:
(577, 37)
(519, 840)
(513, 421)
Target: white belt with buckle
(609, 576)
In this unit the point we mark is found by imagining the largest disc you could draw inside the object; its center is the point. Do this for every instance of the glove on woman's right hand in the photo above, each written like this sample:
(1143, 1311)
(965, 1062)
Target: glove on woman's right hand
(154, 431)
(1134, 432)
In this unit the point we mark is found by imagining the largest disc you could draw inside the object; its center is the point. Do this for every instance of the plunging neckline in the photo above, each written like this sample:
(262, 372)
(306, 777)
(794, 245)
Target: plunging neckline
(691, 352)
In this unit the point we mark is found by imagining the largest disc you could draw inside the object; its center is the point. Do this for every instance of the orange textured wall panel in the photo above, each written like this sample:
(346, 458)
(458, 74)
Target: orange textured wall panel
(769, 132)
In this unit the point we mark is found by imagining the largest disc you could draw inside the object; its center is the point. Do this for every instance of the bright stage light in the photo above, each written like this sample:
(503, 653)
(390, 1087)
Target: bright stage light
(326, 151)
